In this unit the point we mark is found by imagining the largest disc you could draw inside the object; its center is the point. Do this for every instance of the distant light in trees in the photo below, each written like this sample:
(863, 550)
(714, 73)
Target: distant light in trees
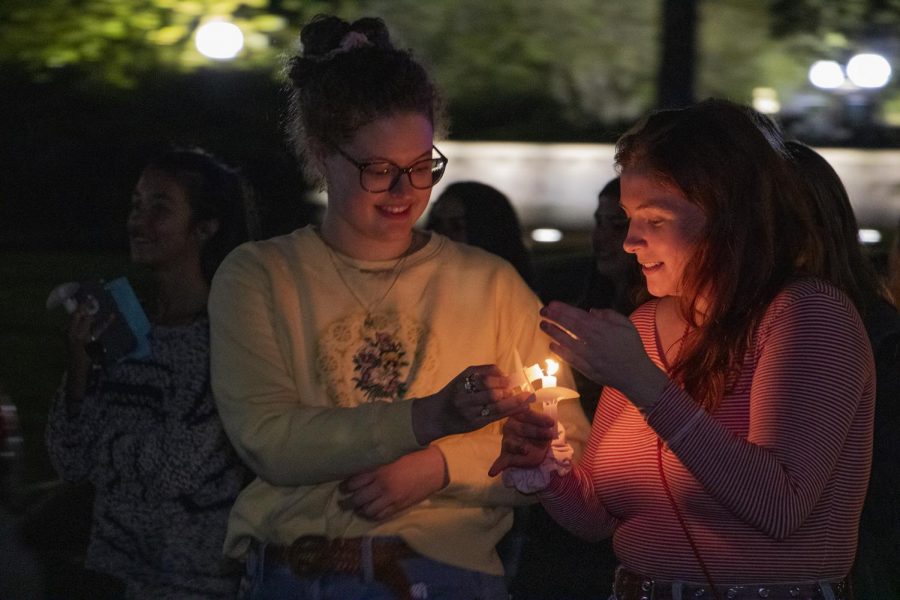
(765, 100)
(826, 74)
(869, 70)
(219, 40)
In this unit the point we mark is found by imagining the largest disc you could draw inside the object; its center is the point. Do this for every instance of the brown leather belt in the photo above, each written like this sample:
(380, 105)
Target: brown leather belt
(312, 555)
(632, 586)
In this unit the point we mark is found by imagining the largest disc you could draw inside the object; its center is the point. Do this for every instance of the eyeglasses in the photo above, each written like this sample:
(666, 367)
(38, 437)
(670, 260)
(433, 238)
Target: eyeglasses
(381, 175)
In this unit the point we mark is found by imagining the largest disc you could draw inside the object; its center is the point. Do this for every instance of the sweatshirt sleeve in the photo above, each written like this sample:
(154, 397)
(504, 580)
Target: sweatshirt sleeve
(278, 433)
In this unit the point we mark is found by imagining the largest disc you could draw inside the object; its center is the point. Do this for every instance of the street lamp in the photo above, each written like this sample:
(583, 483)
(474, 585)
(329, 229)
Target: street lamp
(869, 70)
(866, 70)
(219, 40)
(826, 75)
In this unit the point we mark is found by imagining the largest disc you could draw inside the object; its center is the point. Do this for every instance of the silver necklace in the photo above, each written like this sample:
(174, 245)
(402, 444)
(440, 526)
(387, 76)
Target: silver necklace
(368, 309)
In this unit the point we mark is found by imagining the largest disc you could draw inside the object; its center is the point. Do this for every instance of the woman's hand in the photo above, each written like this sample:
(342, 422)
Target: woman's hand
(381, 493)
(477, 396)
(526, 437)
(81, 331)
(605, 346)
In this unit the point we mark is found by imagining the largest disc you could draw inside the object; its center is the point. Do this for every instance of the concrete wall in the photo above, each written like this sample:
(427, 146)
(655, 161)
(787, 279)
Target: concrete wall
(556, 184)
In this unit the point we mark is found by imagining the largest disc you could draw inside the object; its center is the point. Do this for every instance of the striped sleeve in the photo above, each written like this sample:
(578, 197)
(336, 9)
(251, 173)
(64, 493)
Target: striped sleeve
(813, 364)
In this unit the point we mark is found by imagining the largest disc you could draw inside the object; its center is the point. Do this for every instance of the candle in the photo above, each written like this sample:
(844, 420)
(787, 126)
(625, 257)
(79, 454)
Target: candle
(518, 383)
(533, 373)
(518, 380)
(549, 407)
(549, 394)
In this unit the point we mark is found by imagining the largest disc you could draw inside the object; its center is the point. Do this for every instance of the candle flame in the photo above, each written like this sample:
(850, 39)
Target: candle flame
(552, 366)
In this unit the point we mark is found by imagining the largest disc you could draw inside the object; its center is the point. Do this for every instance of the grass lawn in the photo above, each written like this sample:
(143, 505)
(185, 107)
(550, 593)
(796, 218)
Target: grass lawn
(32, 358)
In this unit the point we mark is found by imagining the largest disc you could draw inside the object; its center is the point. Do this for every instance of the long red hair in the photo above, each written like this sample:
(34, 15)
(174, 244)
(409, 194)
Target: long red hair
(728, 160)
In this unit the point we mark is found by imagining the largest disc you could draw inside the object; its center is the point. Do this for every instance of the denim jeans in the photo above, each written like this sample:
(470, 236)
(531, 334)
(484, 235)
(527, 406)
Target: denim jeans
(429, 580)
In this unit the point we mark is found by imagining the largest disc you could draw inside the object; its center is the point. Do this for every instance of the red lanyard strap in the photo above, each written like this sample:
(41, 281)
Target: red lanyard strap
(690, 538)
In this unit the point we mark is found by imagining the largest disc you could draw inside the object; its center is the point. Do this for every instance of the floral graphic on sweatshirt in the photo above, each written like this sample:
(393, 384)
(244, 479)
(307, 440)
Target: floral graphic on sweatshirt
(379, 363)
(363, 358)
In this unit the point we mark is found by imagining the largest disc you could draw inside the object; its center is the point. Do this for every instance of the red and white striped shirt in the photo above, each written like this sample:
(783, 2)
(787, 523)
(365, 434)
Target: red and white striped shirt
(770, 486)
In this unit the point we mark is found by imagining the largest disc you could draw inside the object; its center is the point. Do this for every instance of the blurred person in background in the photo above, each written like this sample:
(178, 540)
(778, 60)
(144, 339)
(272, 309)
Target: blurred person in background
(474, 213)
(145, 432)
(21, 577)
(616, 281)
(837, 256)
(893, 274)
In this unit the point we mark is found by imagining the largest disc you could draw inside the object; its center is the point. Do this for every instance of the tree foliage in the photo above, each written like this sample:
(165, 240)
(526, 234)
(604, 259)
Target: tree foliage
(857, 19)
(559, 66)
(523, 69)
(582, 61)
(117, 42)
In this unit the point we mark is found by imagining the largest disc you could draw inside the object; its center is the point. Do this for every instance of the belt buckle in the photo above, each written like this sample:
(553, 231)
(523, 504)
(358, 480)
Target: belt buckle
(304, 554)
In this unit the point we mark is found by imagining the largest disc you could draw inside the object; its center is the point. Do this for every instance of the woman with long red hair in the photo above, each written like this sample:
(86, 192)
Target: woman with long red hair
(730, 451)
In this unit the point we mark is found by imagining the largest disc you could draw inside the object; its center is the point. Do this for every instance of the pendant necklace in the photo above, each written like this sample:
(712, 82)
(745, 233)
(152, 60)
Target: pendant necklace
(368, 309)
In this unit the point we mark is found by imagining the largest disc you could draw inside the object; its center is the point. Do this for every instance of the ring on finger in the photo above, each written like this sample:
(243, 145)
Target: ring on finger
(485, 410)
(469, 384)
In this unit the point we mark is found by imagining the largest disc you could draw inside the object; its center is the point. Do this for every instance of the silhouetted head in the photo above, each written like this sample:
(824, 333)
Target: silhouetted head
(608, 234)
(833, 251)
(480, 215)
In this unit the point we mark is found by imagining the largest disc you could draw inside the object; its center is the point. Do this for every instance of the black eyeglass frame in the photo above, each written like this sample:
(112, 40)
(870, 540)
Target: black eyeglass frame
(442, 160)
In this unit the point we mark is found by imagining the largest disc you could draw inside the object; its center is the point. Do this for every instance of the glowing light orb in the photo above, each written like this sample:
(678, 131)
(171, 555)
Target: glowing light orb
(869, 70)
(546, 235)
(219, 40)
(765, 100)
(826, 74)
(869, 236)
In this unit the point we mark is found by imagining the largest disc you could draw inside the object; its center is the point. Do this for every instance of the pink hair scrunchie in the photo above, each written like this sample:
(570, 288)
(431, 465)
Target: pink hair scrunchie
(353, 39)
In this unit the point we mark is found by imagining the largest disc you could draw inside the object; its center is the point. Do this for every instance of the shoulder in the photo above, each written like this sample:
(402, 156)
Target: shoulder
(813, 312)
(644, 316)
(473, 261)
(255, 259)
(815, 298)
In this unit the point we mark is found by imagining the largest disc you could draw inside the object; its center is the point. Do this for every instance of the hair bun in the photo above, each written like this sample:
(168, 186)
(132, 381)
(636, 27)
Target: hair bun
(326, 35)
(322, 35)
(300, 70)
(375, 31)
